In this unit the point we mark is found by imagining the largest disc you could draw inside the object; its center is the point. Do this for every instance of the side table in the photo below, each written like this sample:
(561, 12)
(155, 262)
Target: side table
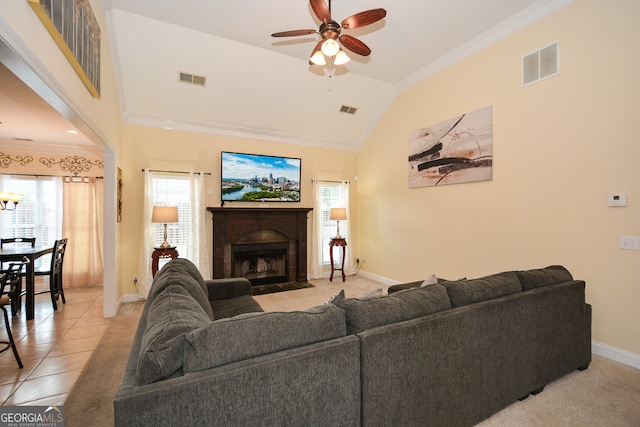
(161, 253)
(337, 242)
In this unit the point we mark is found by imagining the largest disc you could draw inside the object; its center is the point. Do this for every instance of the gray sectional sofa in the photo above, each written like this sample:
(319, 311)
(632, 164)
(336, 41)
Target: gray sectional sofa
(449, 354)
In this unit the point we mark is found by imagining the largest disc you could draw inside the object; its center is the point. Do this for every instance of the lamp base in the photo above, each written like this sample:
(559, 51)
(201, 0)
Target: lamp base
(165, 244)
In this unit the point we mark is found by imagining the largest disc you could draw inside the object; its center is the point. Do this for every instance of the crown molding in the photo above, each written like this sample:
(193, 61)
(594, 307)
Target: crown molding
(170, 123)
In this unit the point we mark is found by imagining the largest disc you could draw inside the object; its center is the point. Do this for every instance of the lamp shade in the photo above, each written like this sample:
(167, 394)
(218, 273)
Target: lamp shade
(341, 58)
(330, 47)
(338, 214)
(164, 214)
(318, 58)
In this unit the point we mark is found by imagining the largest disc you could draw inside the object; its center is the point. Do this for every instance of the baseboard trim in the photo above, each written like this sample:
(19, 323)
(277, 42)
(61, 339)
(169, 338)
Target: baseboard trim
(377, 278)
(131, 298)
(616, 354)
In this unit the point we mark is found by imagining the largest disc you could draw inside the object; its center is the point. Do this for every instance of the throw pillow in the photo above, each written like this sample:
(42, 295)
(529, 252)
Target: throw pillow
(431, 280)
(373, 293)
(337, 298)
(171, 314)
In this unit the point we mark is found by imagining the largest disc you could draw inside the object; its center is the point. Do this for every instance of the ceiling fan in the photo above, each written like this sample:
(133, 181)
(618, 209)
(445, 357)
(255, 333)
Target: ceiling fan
(330, 31)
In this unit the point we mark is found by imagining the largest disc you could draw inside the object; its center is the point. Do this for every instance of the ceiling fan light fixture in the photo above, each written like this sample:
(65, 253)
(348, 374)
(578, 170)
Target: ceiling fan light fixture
(330, 47)
(341, 58)
(318, 58)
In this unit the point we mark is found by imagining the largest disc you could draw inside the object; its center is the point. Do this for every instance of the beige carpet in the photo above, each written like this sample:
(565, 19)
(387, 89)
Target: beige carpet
(606, 394)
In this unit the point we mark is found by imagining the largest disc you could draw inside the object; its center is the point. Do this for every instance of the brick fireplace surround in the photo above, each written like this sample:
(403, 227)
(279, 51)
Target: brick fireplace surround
(239, 228)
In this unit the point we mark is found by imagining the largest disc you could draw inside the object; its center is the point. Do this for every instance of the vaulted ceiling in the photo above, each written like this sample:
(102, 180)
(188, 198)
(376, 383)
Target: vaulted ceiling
(261, 87)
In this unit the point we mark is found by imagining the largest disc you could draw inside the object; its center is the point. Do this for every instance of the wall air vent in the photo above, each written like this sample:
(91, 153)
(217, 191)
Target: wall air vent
(193, 79)
(541, 64)
(348, 110)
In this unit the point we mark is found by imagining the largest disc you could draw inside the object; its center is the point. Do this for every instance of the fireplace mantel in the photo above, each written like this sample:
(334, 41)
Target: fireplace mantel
(232, 225)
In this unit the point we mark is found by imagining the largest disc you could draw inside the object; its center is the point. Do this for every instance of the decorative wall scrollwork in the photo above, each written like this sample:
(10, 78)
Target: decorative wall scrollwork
(74, 164)
(6, 160)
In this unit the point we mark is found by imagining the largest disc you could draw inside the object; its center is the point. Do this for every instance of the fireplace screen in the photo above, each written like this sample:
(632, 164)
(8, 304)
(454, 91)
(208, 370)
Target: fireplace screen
(261, 263)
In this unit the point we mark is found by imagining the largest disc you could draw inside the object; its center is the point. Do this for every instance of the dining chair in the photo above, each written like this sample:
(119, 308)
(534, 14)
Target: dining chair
(17, 241)
(54, 272)
(20, 242)
(8, 280)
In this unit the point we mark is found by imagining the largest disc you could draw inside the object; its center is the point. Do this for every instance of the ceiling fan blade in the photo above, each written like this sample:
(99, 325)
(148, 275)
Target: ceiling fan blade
(354, 45)
(362, 19)
(321, 10)
(293, 33)
(315, 49)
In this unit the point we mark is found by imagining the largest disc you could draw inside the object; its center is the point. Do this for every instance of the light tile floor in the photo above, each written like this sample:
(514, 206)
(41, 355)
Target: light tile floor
(54, 347)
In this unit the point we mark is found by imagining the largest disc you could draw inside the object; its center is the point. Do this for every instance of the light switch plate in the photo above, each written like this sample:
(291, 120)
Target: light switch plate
(617, 199)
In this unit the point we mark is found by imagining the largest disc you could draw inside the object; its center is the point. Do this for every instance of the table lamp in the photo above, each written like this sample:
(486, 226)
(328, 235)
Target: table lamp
(164, 215)
(338, 214)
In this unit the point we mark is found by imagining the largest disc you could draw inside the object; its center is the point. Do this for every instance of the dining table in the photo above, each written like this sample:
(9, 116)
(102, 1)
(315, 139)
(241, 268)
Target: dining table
(8, 254)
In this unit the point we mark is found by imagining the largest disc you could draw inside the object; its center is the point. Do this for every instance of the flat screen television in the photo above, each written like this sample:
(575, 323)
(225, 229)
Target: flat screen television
(259, 178)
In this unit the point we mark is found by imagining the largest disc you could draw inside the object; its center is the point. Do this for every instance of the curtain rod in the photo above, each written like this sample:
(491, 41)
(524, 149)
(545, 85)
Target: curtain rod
(38, 175)
(157, 170)
(326, 180)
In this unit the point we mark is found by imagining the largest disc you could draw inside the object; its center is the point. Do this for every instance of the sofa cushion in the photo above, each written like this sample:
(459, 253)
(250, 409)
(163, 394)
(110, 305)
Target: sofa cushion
(182, 272)
(366, 313)
(531, 279)
(234, 306)
(171, 314)
(464, 292)
(255, 334)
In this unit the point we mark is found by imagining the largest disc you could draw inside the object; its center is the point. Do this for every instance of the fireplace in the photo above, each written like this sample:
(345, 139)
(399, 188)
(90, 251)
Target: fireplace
(261, 263)
(265, 245)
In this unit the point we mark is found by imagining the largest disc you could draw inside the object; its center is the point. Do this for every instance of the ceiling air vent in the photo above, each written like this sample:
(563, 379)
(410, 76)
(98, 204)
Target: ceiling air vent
(193, 79)
(541, 64)
(23, 139)
(348, 110)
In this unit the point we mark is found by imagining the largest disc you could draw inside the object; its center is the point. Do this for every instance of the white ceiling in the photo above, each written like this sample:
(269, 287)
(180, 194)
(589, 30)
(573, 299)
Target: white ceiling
(28, 123)
(263, 87)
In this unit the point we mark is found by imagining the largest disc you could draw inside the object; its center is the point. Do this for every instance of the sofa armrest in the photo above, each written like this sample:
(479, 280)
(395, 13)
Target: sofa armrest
(228, 288)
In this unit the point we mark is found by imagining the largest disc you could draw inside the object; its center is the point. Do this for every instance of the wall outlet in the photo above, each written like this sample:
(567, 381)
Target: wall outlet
(630, 243)
(135, 279)
(358, 261)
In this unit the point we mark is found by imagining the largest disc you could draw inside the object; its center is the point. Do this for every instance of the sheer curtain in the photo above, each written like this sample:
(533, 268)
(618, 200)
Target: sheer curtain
(345, 227)
(81, 223)
(197, 250)
(194, 239)
(147, 238)
(323, 230)
(315, 252)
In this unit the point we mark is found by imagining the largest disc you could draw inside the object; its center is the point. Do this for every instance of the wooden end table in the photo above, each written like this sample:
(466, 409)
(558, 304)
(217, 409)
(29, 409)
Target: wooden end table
(161, 253)
(336, 241)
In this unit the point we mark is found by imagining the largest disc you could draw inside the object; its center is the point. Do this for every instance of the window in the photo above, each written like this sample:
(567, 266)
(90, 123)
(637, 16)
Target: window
(39, 213)
(331, 197)
(173, 191)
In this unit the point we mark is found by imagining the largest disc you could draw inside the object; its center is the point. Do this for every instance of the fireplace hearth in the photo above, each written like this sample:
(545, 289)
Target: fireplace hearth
(265, 245)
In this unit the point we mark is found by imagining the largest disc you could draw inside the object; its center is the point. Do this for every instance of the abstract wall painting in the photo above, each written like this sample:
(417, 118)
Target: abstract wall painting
(453, 151)
(74, 28)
